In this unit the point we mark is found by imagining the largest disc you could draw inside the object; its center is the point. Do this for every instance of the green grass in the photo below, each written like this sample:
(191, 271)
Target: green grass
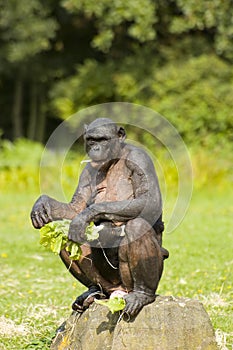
(201, 260)
(36, 291)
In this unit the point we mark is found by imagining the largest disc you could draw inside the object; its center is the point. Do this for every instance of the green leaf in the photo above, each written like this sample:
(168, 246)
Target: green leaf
(115, 304)
(56, 244)
(54, 236)
(92, 231)
(74, 249)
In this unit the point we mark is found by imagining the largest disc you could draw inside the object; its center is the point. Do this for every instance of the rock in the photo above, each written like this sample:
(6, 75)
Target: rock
(167, 324)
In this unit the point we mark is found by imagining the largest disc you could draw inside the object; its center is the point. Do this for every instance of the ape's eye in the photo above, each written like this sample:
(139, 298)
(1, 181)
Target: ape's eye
(91, 142)
(103, 141)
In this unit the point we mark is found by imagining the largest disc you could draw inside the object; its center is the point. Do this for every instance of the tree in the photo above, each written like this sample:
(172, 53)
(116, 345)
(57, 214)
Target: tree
(178, 69)
(26, 31)
(88, 52)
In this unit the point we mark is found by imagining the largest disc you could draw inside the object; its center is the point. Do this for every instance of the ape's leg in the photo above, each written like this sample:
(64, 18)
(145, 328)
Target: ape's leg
(141, 265)
(87, 271)
(74, 268)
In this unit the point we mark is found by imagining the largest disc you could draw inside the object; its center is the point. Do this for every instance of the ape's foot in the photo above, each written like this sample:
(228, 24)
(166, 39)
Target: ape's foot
(86, 299)
(135, 302)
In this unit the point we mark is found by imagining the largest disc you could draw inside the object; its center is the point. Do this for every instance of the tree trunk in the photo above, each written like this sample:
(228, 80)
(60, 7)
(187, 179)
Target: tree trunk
(31, 132)
(41, 120)
(17, 108)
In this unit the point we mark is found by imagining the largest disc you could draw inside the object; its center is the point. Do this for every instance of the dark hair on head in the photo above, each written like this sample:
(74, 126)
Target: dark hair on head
(101, 122)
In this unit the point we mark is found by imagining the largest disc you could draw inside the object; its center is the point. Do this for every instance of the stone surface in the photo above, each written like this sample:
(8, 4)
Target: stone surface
(170, 323)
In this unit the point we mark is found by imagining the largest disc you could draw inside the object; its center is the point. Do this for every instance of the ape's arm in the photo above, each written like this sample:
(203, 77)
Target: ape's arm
(47, 209)
(147, 198)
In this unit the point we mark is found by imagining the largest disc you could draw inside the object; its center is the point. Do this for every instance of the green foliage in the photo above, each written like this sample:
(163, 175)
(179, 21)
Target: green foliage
(22, 38)
(74, 249)
(91, 84)
(174, 56)
(112, 15)
(196, 96)
(181, 76)
(210, 15)
(20, 154)
(144, 21)
(54, 236)
(19, 165)
(92, 231)
(195, 93)
(212, 168)
(20, 168)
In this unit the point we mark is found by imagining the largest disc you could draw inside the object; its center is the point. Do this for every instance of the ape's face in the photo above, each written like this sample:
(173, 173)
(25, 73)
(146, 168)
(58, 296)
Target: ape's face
(103, 143)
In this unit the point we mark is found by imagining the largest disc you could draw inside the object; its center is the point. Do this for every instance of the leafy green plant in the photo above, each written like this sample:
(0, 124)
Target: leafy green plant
(92, 231)
(21, 153)
(54, 236)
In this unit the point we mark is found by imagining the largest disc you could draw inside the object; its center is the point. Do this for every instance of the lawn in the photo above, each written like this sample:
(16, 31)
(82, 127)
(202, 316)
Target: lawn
(36, 291)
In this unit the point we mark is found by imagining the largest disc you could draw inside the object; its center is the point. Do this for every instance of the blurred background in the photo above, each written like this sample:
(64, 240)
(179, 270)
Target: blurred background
(175, 56)
(60, 56)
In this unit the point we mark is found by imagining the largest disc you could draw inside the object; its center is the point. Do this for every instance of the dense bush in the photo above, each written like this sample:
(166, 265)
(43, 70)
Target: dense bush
(194, 93)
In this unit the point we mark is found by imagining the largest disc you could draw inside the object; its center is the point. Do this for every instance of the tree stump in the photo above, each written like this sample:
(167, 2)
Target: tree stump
(169, 323)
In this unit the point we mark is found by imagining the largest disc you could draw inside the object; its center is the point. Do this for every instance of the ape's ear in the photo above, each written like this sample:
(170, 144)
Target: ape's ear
(121, 133)
(85, 128)
(85, 131)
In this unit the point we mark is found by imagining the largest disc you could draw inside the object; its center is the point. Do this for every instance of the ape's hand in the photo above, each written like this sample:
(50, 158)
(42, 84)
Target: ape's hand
(41, 212)
(78, 227)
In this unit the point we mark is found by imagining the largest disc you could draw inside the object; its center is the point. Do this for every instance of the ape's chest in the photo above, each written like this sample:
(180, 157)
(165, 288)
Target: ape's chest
(116, 185)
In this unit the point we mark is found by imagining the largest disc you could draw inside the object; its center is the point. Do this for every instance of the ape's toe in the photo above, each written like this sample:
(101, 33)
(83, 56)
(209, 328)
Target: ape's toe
(84, 300)
(135, 302)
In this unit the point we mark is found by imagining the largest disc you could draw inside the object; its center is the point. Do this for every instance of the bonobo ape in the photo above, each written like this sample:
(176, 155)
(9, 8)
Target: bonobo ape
(119, 190)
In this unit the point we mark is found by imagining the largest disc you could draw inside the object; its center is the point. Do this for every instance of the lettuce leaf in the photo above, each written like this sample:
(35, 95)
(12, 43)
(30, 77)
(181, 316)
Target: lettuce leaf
(54, 236)
(114, 304)
(92, 231)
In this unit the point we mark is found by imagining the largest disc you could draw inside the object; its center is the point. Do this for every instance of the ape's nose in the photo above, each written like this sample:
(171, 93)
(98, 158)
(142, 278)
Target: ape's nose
(96, 148)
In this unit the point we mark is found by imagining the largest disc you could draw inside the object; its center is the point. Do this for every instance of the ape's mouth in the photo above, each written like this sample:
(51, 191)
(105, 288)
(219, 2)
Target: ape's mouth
(104, 165)
(97, 163)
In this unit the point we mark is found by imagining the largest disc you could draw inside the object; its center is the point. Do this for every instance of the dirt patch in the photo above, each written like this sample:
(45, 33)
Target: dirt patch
(9, 328)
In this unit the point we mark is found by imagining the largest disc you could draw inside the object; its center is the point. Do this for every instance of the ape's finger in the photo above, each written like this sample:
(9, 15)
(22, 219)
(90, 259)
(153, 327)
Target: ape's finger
(128, 309)
(34, 222)
(44, 216)
(39, 220)
(72, 237)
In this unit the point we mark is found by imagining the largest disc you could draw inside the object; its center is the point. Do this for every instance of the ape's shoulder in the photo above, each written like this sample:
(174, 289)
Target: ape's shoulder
(134, 151)
(137, 155)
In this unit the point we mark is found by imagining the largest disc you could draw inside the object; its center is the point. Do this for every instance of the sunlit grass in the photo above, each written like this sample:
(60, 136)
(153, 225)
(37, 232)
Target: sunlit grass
(36, 291)
(201, 261)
